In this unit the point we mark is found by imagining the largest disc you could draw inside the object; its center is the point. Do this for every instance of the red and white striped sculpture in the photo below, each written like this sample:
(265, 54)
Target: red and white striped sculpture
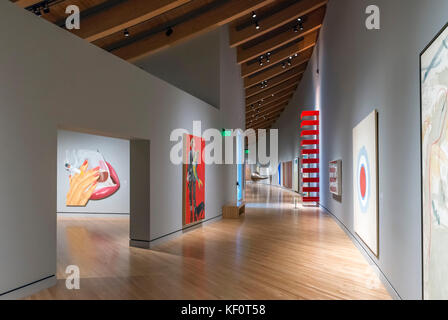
(310, 156)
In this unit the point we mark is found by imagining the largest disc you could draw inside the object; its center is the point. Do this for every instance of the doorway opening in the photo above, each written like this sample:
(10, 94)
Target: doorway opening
(102, 201)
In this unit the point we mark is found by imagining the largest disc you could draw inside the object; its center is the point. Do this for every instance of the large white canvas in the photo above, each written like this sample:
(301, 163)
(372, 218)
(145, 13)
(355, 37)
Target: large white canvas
(434, 117)
(365, 185)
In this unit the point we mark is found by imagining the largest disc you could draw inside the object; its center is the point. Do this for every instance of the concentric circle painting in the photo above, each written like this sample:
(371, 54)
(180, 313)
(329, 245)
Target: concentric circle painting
(363, 179)
(365, 188)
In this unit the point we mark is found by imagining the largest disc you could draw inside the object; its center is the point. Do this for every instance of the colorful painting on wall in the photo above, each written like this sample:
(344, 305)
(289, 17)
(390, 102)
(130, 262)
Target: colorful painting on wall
(193, 180)
(90, 177)
(287, 174)
(279, 172)
(295, 175)
(335, 177)
(365, 185)
(434, 144)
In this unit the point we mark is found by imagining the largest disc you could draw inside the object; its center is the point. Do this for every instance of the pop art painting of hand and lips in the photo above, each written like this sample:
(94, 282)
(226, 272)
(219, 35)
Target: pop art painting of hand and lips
(94, 179)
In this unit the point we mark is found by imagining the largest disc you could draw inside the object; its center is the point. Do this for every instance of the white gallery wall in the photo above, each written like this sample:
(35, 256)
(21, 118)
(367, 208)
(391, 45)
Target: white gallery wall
(362, 70)
(115, 151)
(49, 79)
(187, 67)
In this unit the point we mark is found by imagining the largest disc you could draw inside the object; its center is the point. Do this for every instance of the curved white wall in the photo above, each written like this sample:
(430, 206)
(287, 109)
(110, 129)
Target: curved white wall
(362, 70)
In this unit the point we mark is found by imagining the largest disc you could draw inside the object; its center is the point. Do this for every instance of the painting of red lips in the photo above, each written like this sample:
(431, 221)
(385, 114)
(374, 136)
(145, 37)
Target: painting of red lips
(96, 179)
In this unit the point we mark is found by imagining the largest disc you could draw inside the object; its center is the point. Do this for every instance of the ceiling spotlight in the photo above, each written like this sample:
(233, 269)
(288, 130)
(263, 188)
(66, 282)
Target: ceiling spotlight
(257, 26)
(296, 29)
(254, 15)
(169, 31)
(289, 62)
(296, 55)
(260, 62)
(299, 19)
(283, 65)
(301, 26)
(46, 7)
(126, 33)
(37, 12)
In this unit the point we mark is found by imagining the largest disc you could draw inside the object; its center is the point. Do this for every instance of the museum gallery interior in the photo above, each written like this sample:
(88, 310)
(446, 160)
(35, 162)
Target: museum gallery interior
(224, 149)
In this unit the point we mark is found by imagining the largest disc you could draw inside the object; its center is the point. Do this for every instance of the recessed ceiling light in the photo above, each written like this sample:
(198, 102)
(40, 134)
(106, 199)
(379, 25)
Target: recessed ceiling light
(46, 7)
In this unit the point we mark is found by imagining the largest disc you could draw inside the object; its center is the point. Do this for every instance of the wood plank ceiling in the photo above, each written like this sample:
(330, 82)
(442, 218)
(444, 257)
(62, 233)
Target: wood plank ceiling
(274, 39)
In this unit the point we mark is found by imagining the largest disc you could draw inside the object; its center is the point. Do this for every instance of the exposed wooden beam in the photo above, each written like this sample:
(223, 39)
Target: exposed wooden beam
(268, 114)
(273, 91)
(301, 61)
(264, 123)
(281, 108)
(250, 111)
(279, 95)
(308, 42)
(299, 9)
(26, 3)
(214, 18)
(123, 15)
(267, 121)
(312, 23)
(291, 73)
(268, 109)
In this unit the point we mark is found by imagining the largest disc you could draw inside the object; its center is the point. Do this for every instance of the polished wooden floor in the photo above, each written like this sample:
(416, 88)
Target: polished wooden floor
(274, 252)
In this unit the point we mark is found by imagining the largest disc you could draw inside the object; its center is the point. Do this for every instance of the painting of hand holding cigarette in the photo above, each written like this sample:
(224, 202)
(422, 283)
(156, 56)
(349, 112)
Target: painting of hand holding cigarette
(94, 179)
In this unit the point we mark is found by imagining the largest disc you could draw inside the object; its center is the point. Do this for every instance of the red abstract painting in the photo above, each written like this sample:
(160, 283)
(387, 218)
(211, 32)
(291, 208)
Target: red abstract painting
(193, 180)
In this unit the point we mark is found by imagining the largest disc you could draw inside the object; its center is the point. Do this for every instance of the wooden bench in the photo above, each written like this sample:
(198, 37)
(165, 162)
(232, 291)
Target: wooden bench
(233, 210)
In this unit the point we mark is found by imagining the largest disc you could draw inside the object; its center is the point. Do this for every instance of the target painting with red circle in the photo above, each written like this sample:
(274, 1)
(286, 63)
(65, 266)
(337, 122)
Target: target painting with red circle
(365, 181)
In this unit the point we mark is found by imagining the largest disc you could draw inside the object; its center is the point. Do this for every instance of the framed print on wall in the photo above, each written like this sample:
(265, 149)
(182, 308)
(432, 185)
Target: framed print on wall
(335, 177)
(365, 181)
(434, 166)
(295, 175)
(193, 210)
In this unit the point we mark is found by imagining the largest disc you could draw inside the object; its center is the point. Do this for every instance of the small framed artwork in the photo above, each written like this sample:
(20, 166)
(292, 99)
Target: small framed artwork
(335, 177)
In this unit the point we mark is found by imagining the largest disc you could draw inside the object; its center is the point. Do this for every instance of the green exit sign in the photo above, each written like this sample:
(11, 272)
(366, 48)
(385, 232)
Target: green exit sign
(246, 151)
(226, 133)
